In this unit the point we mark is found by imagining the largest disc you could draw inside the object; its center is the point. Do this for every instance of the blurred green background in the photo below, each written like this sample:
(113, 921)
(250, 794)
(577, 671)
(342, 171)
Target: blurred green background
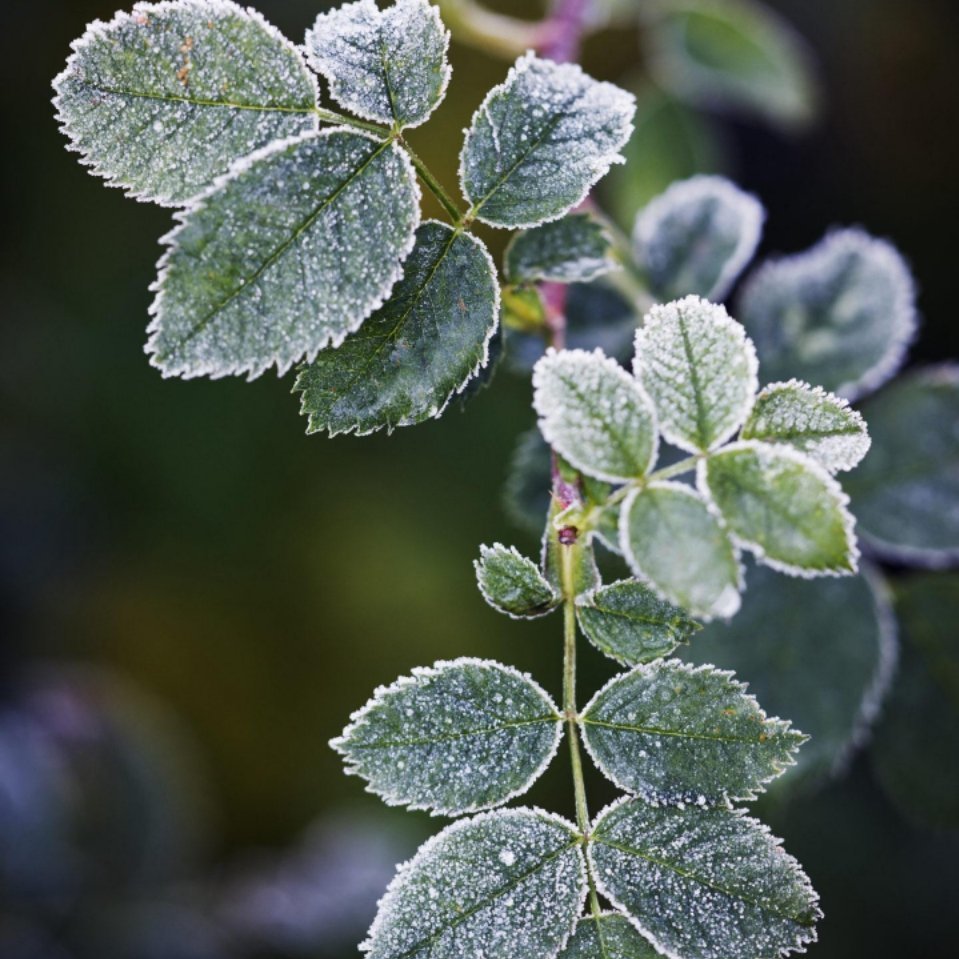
(230, 590)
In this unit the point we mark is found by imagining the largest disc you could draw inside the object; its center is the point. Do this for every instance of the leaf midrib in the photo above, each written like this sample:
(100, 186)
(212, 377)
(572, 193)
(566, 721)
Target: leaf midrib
(200, 102)
(453, 737)
(657, 731)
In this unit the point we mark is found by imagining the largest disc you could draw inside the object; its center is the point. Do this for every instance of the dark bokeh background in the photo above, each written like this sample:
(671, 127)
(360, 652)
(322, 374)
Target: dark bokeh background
(240, 588)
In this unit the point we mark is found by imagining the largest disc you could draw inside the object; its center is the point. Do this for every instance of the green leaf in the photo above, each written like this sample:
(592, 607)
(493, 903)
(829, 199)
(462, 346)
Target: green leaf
(697, 237)
(161, 101)
(577, 248)
(915, 749)
(673, 542)
(513, 584)
(679, 734)
(906, 493)
(703, 883)
(540, 140)
(700, 370)
(810, 420)
(629, 623)
(821, 652)
(388, 66)
(526, 495)
(503, 885)
(421, 348)
(594, 414)
(607, 936)
(841, 314)
(735, 54)
(288, 255)
(782, 506)
(454, 738)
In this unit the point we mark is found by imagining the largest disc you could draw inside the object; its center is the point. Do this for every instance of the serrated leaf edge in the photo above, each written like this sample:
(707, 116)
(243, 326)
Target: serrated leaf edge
(381, 694)
(100, 28)
(477, 565)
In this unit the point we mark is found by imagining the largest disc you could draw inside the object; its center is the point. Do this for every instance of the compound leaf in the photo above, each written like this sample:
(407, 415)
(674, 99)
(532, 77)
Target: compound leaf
(540, 140)
(608, 936)
(821, 652)
(784, 507)
(679, 734)
(631, 624)
(906, 493)
(453, 738)
(700, 370)
(388, 66)
(809, 419)
(841, 314)
(503, 885)
(594, 414)
(672, 541)
(576, 249)
(418, 350)
(513, 584)
(697, 237)
(741, 895)
(288, 255)
(162, 100)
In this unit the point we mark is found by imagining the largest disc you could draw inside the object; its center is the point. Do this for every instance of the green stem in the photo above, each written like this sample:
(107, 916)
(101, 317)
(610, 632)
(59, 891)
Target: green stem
(435, 187)
(677, 469)
(329, 116)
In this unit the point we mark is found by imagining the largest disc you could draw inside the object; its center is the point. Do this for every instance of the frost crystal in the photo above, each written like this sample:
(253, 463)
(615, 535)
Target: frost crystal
(540, 140)
(388, 66)
(458, 737)
(164, 99)
(288, 254)
(510, 886)
(700, 369)
(608, 936)
(697, 237)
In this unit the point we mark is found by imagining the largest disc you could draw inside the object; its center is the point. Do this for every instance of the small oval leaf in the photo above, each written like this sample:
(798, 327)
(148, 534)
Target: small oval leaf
(673, 542)
(418, 350)
(457, 737)
(513, 584)
(700, 370)
(162, 101)
(289, 254)
(503, 885)
(697, 237)
(594, 414)
(575, 249)
(388, 66)
(810, 420)
(783, 507)
(540, 140)
(679, 734)
(608, 936)
(741, 895)
(631, 624)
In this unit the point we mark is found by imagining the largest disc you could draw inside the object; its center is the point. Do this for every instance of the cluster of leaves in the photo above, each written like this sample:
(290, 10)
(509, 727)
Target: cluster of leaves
(298, 243)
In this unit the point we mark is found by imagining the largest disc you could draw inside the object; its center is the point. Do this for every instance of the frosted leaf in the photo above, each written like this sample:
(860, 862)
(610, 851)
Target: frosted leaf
(607, 936)
(164, 99)
(906, 492)
(453, 738)
(782, 506)
(672, 541)
(577, 248)
(703, 883)
(388, 66)
(594, 414)
(676, 734)
(700, 370)
(512, 584)
(810, 420)
(503, 885)
(737, 54)
(841, 314)
(421, 348)
(287, 255)
(540, 140)
(631, 624)
(821, 652)
(697, 237)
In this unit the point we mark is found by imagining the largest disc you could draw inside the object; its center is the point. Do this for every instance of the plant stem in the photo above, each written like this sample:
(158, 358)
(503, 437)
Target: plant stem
(567, 21)
(330, 116)
(677, 469)
(435, 187)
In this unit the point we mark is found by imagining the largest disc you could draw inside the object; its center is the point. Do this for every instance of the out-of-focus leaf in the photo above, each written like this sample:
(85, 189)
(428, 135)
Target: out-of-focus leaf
(526, 495)
(576, 249)
(905, 494)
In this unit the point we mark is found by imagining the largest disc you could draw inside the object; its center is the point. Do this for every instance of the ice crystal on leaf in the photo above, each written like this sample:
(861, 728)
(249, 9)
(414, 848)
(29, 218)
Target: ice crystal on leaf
(608, 936)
